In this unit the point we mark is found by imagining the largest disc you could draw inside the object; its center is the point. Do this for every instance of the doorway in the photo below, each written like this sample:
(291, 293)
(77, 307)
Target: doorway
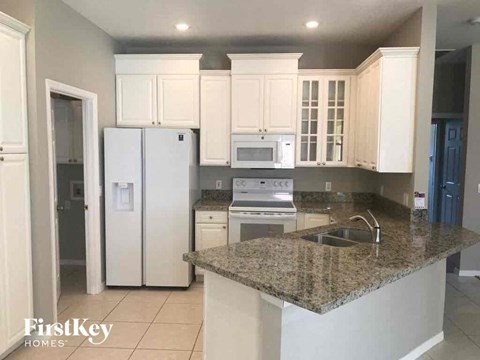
(67, 121)
(78, 186)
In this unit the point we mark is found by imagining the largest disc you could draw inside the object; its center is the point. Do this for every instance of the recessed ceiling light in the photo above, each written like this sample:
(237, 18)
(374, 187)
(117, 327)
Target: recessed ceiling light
(182, 27)
(474, 21)
(312, 24)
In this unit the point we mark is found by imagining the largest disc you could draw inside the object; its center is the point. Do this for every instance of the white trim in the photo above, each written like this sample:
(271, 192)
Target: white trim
(13, 23)
(92, 186)
(73, 262)
(409, 52)
(293, 56)
(157, 56)
(470, 273)
(215, 72)
(423, 348)
(330, 72)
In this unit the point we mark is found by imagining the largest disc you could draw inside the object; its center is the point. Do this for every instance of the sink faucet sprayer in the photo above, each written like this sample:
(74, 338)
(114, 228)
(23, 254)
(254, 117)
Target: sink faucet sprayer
(375, 230)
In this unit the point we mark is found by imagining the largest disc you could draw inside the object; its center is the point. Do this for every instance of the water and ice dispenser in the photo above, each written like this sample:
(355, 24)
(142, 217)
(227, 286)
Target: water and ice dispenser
(123, 196)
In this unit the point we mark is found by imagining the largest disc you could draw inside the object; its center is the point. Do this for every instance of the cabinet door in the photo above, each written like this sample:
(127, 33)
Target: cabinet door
(178, 101)
(136, 100)
(247, 103)
(62, 114)
(336, 111)
(280, 103)
(13, 103)
(15, 253)
(215, 121)
(77, 132)
(314, 220)
(308, 123)
(361, 120)
(373, 112)
(208, 236)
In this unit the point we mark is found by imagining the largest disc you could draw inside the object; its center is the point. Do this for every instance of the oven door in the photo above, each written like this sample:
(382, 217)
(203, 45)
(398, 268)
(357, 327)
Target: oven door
(253, 225)
(255, 154)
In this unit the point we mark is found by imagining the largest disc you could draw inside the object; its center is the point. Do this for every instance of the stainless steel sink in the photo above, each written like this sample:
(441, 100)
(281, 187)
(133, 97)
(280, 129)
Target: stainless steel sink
(326, 239)
(363, 236)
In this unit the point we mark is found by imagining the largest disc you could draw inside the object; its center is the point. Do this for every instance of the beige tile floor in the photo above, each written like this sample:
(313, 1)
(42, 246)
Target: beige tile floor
(167, 324)
(148, 324)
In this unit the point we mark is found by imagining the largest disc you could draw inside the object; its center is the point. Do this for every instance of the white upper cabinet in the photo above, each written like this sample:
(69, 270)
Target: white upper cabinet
(136, 100)
(158, 90)
(247, 103)
(13, 98)
(386, 110)
(215, 120)
(264, 92)
(323, 120)
(280, 103)
(68, 131)
(178, 101)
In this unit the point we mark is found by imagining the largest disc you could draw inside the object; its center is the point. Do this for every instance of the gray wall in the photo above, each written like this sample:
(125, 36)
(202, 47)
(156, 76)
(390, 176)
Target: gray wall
(315, 56)
(305, 179)
(419, 30)
(72, 220)
(470, 258)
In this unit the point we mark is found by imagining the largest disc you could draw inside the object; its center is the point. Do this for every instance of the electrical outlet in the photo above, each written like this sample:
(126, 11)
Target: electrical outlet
(328, 186)
(405, 199)
(382, 189)
(218, 185)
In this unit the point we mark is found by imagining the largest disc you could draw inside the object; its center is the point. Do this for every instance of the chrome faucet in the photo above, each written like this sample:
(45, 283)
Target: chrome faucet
(375, 230)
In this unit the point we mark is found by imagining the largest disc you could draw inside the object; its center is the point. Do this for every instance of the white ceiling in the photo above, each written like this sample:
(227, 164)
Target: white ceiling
(453, 29)
(262, 21)
(369, 22)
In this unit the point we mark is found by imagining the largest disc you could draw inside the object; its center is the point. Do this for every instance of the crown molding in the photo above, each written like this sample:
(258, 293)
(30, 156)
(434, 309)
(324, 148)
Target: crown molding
(409, 52)
(158, 56)
(13, 23)
(319, 72)
(292, 56)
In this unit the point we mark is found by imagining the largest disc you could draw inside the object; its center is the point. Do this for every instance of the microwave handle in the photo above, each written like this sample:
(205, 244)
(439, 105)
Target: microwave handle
(279, 152)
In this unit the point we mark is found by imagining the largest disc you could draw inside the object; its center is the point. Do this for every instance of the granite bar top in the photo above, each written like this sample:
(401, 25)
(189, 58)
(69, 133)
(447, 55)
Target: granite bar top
(321, 278)
(212, 205)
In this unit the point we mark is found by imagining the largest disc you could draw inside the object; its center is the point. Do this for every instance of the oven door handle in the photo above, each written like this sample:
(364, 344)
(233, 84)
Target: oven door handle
(234, 215)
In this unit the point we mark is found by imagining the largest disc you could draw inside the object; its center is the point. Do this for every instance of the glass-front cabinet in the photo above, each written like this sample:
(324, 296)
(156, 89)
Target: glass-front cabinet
(323, 121)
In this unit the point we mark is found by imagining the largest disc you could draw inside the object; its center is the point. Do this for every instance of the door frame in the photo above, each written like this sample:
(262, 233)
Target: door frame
(92, 189)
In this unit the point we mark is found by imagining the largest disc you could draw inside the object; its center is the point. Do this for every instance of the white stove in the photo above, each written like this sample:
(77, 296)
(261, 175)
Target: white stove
(261, 208)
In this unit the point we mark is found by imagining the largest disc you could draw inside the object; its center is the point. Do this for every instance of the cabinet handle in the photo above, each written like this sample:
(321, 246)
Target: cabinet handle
(1, 148)
(224, 227)
(259, 130)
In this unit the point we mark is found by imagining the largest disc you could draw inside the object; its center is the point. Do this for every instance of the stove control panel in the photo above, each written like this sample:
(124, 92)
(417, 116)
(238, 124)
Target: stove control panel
(246, 184)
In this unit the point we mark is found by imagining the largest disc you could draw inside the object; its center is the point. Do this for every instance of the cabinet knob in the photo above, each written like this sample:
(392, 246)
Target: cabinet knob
(374, 167)
(324, 164)
(224, 227)
(210, 217)
(318, 163)
(228, 162)
(74, 160)
(1, 148)
(153, 122)
(2, 158)
(69, 160)
(359, 165)
(265, 130)
(259, 130)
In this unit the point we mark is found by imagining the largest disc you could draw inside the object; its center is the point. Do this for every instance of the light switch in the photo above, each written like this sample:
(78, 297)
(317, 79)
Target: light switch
(218, 184)
(328, 186)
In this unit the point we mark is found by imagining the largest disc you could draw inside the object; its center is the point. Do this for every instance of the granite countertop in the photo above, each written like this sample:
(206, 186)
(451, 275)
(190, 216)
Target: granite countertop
(321, 278)
(212, 205)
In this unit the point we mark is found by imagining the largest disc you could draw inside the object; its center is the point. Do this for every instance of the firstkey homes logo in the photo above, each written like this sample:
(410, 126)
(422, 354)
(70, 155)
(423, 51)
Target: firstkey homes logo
(96, 334)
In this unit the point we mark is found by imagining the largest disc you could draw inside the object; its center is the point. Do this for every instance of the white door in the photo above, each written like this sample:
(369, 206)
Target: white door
(55, 136)
(178, 101)
(280, 103)
(247, 103)
(215, 121)
(13, 103)
(136, 100)
(77, 132)
(209, 236)
(16, 302)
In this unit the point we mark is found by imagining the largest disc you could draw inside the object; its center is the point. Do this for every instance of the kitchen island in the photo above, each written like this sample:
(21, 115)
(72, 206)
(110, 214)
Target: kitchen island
(288, 298)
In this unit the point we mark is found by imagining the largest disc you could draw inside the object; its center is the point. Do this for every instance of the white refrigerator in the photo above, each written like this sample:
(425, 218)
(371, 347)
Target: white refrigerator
(151, 184)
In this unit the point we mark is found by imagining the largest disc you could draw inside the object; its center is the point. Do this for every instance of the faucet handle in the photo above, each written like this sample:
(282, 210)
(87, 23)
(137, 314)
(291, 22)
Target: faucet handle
(375, 222)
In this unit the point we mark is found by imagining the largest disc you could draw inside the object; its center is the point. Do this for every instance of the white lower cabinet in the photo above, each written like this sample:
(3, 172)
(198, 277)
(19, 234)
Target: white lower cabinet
(16, 300)
(308, 221)
(211, 230)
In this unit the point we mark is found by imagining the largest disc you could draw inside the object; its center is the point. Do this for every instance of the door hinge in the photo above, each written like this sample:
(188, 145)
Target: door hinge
(86, 207)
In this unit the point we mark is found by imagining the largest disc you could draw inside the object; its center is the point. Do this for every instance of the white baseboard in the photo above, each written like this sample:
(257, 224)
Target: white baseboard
(73, 262)
(466, 272)
(423, 348)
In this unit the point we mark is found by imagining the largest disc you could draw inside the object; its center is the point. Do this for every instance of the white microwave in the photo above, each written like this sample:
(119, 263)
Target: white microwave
(263, 151)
